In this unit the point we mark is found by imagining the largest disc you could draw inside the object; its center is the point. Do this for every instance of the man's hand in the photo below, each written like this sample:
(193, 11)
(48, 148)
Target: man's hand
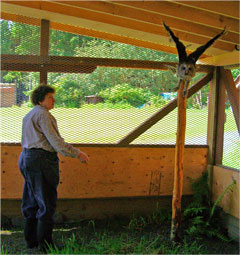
(83, 157)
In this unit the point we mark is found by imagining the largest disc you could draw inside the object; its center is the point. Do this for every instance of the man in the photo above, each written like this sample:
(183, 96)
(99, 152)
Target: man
(39, 166)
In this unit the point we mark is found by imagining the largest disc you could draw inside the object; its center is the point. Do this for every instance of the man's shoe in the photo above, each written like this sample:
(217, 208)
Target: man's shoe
(44, 235)
(30, 232)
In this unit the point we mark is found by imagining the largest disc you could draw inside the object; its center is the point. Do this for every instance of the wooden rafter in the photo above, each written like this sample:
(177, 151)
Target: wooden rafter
(90, 32)
(162, 113)
(124, 22)
(226, 8)
(139, 22)
(142, 15)
(176, 9)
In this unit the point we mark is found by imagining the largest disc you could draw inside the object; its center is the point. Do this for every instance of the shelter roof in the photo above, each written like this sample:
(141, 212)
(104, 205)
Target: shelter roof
(140, 23)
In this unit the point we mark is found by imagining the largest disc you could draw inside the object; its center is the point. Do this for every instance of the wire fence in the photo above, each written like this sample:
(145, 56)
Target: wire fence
(97, 106)
(231, 142)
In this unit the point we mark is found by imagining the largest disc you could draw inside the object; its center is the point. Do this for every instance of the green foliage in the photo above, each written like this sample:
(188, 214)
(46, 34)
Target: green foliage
(158, 101)
(159, 217)
(124, 93)
(68, 93)
(221, 197)
(3, 249)
(235, 73)
(201, 216)
(17, 38)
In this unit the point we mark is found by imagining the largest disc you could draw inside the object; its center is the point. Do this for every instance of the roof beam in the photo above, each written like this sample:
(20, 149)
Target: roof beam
(227, 59)
(155, 18)
(226, 8)
(177, 10)
(89, 32)
(119, 22)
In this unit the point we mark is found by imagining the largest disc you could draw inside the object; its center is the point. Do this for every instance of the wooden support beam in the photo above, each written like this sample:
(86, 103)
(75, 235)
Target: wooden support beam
(221, 118)
(232, 93)
(178, 166)
(71, 62)
(44, 48)
(162, 113)
(212, 116)
(216, 119)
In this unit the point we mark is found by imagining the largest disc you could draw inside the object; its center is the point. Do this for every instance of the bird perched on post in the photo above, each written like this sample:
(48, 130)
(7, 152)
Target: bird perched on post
(186, 68)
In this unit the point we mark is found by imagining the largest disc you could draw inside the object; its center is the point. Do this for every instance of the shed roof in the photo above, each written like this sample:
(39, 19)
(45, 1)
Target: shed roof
(140, 22)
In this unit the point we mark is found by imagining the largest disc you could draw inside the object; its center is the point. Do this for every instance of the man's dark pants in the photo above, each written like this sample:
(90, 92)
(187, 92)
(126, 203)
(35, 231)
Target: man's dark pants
(40, 170)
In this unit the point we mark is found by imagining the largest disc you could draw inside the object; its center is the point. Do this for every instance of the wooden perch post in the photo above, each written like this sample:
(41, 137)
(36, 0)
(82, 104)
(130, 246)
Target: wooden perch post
(178, 166)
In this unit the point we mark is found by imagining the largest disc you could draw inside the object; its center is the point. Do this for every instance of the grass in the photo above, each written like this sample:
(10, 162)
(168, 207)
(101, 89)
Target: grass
(90, 125)
(138, 235)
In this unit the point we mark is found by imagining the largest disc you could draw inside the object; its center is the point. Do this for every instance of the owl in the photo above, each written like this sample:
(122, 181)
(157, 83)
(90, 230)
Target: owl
(186, 68)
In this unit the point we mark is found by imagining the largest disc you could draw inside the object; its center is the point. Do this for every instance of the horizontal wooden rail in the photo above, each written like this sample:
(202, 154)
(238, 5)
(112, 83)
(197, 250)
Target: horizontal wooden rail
(68, 64)
(163, 112)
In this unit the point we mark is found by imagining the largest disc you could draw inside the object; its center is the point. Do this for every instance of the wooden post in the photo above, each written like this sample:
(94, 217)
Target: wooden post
(178, 167)
(216, 118)
(221, 118)
(44, 48)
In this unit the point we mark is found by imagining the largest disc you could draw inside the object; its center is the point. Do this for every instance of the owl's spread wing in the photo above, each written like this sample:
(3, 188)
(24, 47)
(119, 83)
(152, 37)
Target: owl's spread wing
(182, 55)
(194, 56)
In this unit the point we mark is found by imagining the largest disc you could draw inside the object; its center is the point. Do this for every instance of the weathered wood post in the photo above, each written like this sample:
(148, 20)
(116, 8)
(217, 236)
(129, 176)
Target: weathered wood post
(178, 166)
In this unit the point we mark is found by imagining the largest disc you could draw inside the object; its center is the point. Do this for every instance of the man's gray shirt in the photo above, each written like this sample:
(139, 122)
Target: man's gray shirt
(39, 130)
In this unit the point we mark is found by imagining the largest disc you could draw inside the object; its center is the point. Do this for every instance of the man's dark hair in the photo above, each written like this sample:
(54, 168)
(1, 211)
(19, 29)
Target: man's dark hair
(40, 92)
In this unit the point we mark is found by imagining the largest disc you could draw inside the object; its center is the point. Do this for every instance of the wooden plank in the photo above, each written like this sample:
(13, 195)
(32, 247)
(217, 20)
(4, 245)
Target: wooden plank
(155, 18)
(222, 177)
(221, 118)
(111, 172)
(226, 59)
(44, 48)
(21, 19)
(175, 9)
(119, 21)
(80, 209)
(212, 123)
(92, 62)
(178, 163)
(232, 95)
(225, 8)
(162, 113)
(91, 32)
